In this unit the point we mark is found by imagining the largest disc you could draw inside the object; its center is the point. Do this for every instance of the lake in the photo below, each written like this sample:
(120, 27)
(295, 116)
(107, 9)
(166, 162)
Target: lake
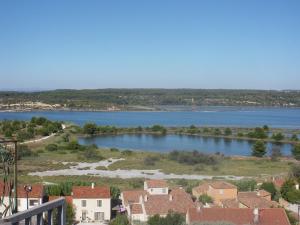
(167, 143)
(208, 116)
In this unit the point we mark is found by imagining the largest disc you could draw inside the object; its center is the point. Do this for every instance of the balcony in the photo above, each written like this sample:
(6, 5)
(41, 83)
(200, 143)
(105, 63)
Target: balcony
(53, 211)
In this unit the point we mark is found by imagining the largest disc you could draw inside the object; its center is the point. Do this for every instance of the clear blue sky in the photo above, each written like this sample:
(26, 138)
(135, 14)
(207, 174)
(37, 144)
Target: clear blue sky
(162, 44)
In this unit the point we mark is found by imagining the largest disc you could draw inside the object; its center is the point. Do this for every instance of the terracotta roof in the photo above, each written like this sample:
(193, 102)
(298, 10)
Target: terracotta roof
(278, 182)
(274, 216)
(264, 193)
(202, 188)
(252, 200)
(89, 192)
(69, 199)
(156, 183)
(136, 209)
(177, 201)
(230, 203)
(132, 196)
(222, 185)
(36, 192)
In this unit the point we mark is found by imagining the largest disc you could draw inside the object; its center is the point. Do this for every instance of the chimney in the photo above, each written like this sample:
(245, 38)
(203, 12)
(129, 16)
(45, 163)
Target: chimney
(170, 197)
(256, 215)
(297, 186)
(93, 185)
(198, 208)
(145, 198)
(258, 193)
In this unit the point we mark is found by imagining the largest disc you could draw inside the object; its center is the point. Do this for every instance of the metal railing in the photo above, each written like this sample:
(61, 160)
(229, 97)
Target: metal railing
(39, 212)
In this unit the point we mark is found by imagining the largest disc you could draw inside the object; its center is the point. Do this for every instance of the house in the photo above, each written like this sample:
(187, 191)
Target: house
(272, 216)
(253, 199)
(218, 190)
(91, 203)
(35, 197)
(156, 198)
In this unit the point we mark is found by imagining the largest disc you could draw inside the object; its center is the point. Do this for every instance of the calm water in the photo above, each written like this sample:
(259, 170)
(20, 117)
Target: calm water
(214, 116)
(168, 143)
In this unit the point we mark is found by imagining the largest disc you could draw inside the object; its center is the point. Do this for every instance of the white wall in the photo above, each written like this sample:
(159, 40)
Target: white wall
(158, 191)
(91, 208)
(22, 203)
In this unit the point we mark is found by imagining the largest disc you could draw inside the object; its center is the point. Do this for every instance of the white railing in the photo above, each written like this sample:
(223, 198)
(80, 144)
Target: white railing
(38, 213)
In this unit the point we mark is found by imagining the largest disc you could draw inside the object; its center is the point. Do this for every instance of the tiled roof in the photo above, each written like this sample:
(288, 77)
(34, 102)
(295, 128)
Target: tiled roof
(222, 185)
(274, 216)
(230, 203)
(202, 188)
(69, 199)
(177, 201)
(132, 196)
(36, 192)
(264, 193)
(136, 209)
(156, 183)
(90, 192)
(252, 200)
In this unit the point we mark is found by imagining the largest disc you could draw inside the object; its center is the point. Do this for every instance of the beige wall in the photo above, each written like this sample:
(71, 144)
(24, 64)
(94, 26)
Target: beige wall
(221, 194)
(91, 207)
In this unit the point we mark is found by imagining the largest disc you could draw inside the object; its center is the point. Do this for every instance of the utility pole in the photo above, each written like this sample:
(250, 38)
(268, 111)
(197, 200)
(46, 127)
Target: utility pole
(16, 178)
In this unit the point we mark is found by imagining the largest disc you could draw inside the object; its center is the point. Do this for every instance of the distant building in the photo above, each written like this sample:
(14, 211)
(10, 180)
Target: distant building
(91, 203)
(156, 198)
(272, 216)
(218, 190)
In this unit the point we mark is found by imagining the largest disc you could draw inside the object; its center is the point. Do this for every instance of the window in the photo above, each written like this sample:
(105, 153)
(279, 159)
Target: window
(83, 215)
(19, 202)
(33, 202)
(83, 203)
(221, 191)
(99, 216)
(99, 203)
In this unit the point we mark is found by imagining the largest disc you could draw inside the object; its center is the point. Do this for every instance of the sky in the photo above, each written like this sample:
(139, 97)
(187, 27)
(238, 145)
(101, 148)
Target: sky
(230, 44)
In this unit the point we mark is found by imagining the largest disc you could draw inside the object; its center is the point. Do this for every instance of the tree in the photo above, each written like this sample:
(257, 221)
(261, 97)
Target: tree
(205, 199)
(120, 220)
(296, 151)
(259, 149)
(269, 187)
(294, 138)
(227, 132)
(171, 219)
(289, 192)
(278, 136)
(90, 128)
(115, 192)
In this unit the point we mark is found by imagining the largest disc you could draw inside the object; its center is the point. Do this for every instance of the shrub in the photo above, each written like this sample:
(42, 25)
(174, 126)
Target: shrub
(90, 128)
(228, 132)
(278, 136)
(245, 185)
(269, 187)
(51, 147)
(151, 160)
(259, 149)
(205, 199)
(296, 151)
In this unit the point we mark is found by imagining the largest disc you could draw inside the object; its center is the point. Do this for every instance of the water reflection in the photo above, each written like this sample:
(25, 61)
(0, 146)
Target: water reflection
(166, 143)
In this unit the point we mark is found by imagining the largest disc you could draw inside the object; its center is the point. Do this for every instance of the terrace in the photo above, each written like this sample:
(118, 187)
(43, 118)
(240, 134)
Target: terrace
(50, 211)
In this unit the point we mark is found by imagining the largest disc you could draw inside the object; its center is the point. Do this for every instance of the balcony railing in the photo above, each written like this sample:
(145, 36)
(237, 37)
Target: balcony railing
(37, 214)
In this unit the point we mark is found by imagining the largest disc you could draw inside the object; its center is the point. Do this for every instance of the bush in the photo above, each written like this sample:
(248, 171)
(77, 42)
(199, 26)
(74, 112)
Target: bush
(278, 136)
(170, 219)
(259, 149)
(270, 187)
(90, 128)
(127, 152)
(195, 157)
(51, 147)
(120, 220)
(151, 160)
(245, 185)
(24, 151)
(289, 192)
(296, 151)
(227, 132)
(205, 199)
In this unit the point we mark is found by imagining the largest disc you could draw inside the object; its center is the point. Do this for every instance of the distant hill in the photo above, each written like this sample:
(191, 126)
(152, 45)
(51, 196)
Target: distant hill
(148, 99)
